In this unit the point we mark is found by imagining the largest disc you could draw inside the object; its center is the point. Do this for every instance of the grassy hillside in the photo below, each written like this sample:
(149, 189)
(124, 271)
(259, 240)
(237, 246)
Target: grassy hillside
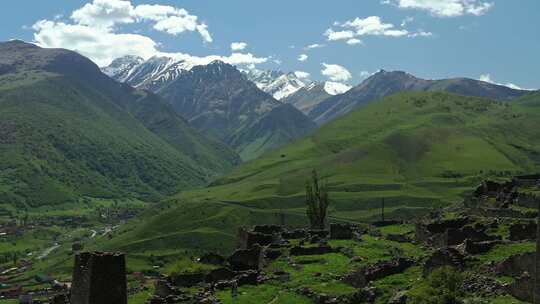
(58, 144)
(416, 150)
(67, 131)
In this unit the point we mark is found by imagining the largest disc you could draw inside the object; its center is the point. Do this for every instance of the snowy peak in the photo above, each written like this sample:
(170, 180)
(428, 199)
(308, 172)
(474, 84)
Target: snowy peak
(120, 68)
(149, 74)
(276, 83)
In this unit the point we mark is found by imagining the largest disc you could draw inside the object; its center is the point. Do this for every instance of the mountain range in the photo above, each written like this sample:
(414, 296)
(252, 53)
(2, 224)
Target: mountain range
(69, 130)
(384, 83)
(218, 100)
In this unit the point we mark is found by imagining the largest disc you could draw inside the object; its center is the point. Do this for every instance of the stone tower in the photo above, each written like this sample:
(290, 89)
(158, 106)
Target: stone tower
(99, 278)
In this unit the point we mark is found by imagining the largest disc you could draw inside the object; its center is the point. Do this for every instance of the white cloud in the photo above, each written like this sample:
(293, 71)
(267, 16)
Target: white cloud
(335, 88)
(373, 25)
(332, 35)
(314, 46)
(238, 46)
(100, 45)
(354, 41)
(94, 33)
(303, 57)
(335, 72)
(445, 8)
(105, 14)
(302, 74)
(487, 78)
(353, 30)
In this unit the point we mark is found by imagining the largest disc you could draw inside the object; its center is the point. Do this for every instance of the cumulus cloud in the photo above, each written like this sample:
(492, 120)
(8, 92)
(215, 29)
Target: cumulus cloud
(303, 57)
(487, 78)
(445, 8)
(108, 13)
(238, 46)
(353, 30)
(94, 33)
(302, 74)
(335, 72)
(100, 45)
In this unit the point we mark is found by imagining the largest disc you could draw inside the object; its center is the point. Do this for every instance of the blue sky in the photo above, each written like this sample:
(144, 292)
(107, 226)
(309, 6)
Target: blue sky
(428, 38)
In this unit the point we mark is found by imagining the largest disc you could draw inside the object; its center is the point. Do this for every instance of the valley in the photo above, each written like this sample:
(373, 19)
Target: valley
(167, 160)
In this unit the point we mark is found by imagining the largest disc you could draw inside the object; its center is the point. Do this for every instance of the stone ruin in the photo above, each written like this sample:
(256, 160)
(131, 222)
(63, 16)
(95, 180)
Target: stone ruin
(257, 246)
(99, 278)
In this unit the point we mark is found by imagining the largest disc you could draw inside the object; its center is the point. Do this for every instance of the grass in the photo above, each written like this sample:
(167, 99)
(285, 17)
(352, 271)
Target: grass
(267, 293)
(501, 252)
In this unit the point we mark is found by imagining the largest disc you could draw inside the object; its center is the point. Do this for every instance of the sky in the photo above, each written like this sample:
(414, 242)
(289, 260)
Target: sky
(339, 40)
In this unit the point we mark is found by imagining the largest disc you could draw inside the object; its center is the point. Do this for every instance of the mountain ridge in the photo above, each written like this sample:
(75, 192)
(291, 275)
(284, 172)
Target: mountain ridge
(71, 131)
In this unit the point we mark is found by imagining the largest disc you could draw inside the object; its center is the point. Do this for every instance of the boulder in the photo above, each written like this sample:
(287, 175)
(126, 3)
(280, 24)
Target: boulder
(247, 259)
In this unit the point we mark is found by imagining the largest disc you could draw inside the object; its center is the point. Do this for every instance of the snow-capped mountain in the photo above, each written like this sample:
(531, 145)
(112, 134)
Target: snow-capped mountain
(121, 68)
(150, 74)
(278, 84)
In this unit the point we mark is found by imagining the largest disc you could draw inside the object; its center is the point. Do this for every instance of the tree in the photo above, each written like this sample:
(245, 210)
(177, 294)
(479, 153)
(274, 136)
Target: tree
(317, 202)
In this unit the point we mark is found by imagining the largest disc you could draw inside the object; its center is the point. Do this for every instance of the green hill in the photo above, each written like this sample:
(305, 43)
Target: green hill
(415, 150)
(67, 130)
